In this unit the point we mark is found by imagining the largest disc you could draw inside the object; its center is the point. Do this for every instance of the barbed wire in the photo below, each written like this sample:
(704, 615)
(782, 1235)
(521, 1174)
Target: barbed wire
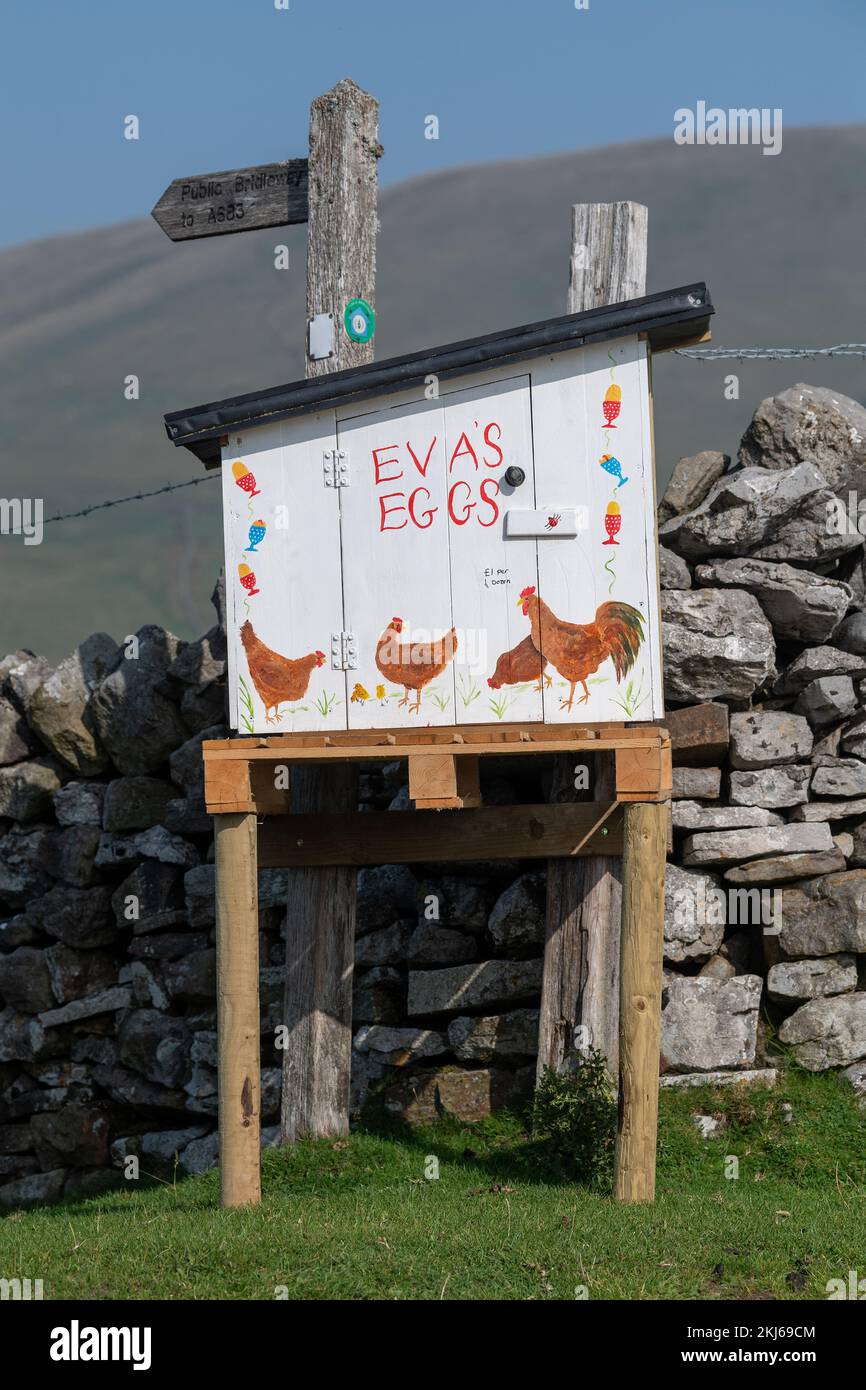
(774, 354)
(715, 354)
(133, 497)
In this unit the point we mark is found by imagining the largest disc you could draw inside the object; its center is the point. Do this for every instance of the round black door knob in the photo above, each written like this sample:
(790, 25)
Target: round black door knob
(514, 476)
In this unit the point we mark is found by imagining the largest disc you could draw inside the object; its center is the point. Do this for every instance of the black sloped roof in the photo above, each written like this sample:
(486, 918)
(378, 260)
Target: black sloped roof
(669, 319)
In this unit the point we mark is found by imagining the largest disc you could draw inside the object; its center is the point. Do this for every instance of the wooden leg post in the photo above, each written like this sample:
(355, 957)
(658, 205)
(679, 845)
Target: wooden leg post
(580, 984)
(643, 885)
(237, 930)
(320, 950)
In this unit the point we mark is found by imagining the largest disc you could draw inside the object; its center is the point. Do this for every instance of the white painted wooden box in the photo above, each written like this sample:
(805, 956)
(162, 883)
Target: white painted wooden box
(471, 547)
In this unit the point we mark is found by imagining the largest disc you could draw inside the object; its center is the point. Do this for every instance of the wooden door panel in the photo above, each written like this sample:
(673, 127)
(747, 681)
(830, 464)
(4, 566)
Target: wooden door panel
(283, 527)
(593, 450)
(497, 673)
(395, 565)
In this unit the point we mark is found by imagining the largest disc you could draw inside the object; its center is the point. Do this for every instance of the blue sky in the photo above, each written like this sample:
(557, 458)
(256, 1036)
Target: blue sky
(219, 83)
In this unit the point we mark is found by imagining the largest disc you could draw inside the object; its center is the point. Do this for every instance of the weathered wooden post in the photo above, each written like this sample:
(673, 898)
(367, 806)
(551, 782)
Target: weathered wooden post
(320, 933)
(582, 939)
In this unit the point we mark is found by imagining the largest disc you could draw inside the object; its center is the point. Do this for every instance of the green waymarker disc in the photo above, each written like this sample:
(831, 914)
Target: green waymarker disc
(359, 320)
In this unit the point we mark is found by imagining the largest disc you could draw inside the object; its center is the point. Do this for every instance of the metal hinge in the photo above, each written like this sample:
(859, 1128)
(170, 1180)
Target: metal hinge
(344, 651)
(336, 467)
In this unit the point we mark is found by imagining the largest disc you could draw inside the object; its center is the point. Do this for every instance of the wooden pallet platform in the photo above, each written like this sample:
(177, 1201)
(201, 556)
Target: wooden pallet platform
(253, 774)
(350, 744)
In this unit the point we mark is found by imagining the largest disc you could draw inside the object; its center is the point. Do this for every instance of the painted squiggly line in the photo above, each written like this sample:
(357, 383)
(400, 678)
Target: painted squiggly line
(245, 480)
(249, 520)
(613, 520)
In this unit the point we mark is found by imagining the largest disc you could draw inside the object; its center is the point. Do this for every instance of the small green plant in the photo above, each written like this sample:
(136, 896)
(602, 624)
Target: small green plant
(246, 710)
(575, 1112)
(632, 698)
(325, 703)
(440, 701)
(499, 704)
(467, 690)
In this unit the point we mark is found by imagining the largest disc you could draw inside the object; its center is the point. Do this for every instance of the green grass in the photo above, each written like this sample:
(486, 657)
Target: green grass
(359, 1219)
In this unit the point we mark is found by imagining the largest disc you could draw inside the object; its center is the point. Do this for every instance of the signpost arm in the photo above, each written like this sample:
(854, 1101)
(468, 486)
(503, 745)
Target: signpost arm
(234, 200)
(582, 937)
(320, 930)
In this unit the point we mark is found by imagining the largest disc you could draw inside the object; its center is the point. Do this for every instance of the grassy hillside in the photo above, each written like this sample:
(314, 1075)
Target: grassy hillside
(461, 252)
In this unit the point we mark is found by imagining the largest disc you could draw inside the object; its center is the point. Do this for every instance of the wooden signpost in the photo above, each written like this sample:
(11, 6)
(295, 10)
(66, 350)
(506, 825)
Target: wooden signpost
(344, 152)
(436, 575)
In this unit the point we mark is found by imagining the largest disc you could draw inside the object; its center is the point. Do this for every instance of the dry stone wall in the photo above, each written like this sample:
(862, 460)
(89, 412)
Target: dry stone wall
(107, 960)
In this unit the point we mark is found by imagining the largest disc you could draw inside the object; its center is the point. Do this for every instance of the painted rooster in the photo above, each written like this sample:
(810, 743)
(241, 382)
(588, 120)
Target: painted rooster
(576, 650)
(413, 664)
(523, 663)
(278, 679)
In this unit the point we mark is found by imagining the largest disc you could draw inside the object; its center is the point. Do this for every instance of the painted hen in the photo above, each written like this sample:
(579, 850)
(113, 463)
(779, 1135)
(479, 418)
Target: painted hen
(278, 679)
(523, 663)
(413, 664)
(577, 650)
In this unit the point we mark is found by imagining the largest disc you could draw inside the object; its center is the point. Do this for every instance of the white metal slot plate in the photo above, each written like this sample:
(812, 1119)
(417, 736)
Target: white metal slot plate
(545, 521)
